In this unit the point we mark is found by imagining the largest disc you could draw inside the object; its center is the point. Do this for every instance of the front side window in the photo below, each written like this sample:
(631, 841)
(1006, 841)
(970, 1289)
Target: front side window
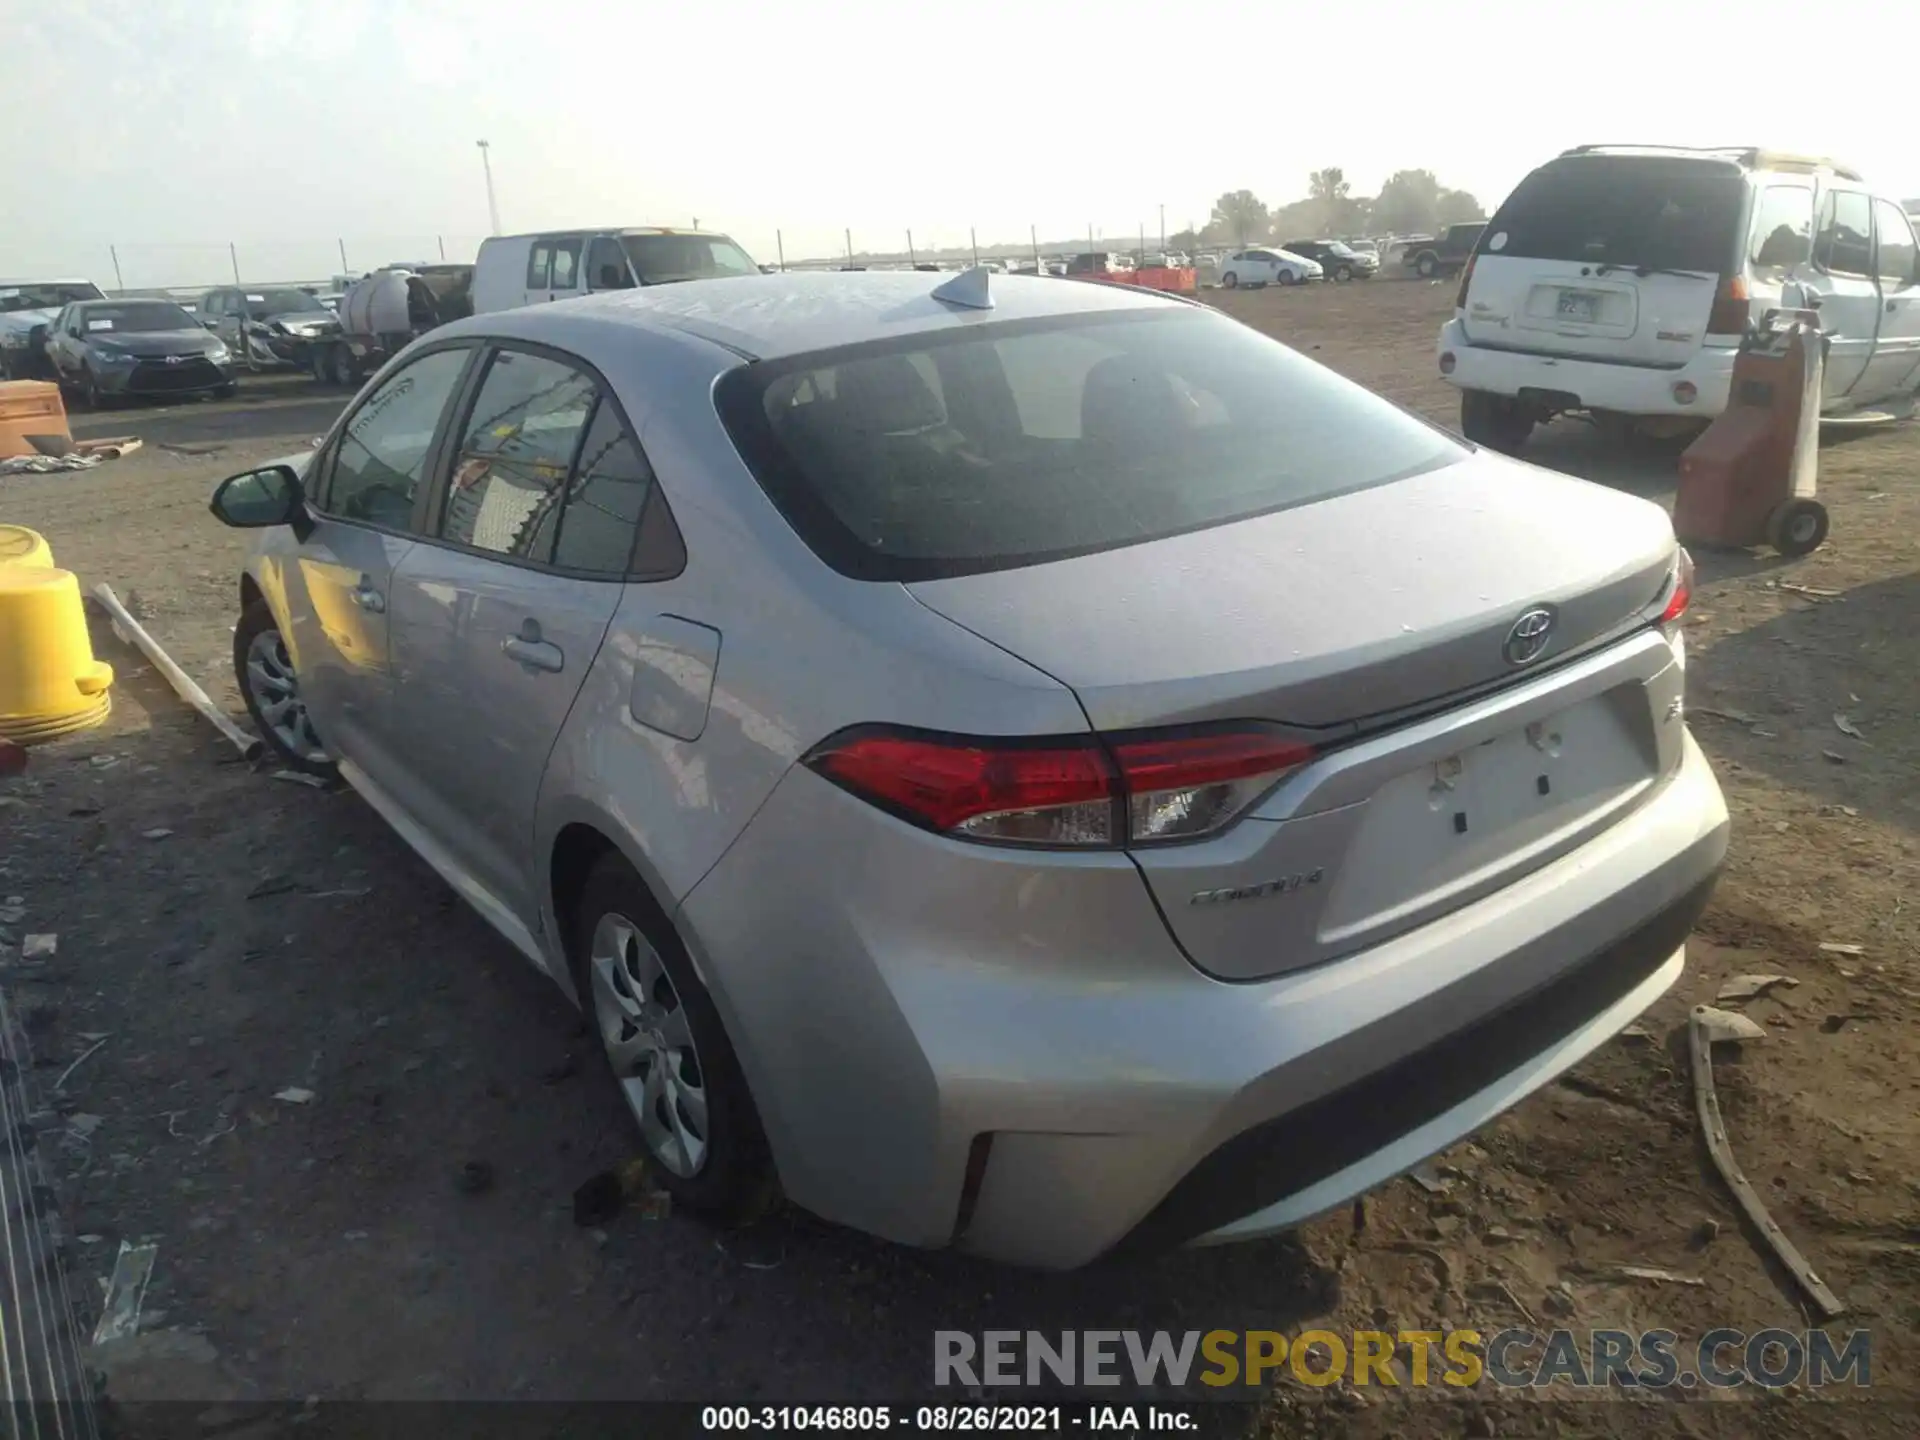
(538, 261)
(1782, 228)
(383, 449)
(566, 264)
(515, 452)
(1048, 439)
(1844, 245)
(607, 265)
(1894, 246)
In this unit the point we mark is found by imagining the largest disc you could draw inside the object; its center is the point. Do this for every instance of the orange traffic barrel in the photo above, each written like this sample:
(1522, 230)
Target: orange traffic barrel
(21, 546)
(50, 684)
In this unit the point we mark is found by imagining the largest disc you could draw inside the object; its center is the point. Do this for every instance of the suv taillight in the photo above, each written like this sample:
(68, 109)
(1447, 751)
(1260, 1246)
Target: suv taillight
(1731, 313)
(1466, 279)
(1080, 792)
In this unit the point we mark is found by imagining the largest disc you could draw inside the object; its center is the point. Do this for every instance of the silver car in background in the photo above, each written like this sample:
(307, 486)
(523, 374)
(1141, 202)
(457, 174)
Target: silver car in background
(1042, 771)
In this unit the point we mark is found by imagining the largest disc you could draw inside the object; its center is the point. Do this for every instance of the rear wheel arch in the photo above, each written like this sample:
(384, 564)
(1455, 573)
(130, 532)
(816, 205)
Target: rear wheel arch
(578, 847)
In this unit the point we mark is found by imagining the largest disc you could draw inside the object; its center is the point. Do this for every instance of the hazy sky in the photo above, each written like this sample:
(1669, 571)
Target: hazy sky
(168, 128)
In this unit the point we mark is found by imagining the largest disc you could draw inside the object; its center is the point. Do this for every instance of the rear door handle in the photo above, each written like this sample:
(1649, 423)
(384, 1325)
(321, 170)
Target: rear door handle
(535, 653)
(368, 598)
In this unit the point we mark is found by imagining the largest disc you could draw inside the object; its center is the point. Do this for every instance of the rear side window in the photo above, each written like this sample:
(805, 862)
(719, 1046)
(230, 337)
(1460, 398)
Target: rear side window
(1895, 245)
(1844, 245)
(1624, 210)
(605, 501)
(566, 264)
(1047, 439)
(539, 259)
(515, 451)
(1782, 232)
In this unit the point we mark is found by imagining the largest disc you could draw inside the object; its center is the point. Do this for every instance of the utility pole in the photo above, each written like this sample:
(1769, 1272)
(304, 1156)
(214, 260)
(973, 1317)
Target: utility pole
(234, 256)
(343, 255)
(780, 246)
(912, 259)
(973, 239)
(1033, 234)
(118, 283)
(1163, 228)
(493, 207)
(849, 247)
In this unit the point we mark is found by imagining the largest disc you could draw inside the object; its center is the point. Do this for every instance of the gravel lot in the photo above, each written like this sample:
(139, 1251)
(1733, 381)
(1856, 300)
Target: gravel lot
(233, 935)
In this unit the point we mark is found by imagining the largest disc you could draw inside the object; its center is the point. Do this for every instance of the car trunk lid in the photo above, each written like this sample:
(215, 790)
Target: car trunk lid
(1377, 625)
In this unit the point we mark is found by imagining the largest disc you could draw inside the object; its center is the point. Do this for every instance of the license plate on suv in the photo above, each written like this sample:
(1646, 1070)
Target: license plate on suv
(1582, 306)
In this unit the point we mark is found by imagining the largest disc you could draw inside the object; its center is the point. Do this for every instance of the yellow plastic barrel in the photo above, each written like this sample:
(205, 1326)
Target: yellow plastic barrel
(50, 684)
(21, 546)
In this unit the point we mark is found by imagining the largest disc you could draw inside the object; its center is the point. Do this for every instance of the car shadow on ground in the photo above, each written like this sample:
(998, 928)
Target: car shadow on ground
(267, 406)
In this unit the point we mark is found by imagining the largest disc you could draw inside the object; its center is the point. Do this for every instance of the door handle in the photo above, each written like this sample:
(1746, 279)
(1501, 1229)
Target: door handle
(368, 598)
(535, 654)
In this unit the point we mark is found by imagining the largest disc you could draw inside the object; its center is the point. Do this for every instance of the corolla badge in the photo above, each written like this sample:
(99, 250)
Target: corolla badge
(1279, 885)
(1527, 640)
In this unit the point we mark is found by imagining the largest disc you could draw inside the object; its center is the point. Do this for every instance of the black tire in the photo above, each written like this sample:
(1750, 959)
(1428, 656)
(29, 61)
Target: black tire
(1799, 527)
(1494, 421)
(226, 391)
(321, 363)
(735, 1184)
(1343, 274)
(1230, 280)
(345, 372)
(1428, 265)
(257, 620)
(91, 395)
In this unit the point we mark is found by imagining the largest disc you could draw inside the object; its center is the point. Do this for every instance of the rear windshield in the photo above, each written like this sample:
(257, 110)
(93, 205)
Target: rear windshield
(663, 259)
(1026, 441)
(1623, 210)
(44, 297)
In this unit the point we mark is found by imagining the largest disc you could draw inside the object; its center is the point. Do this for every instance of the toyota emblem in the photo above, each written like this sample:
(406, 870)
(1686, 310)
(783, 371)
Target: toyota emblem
(1527, 640)
(173, 359)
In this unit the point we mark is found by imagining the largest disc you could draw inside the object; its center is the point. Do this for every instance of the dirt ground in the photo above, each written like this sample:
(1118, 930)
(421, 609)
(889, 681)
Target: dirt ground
(231, 935)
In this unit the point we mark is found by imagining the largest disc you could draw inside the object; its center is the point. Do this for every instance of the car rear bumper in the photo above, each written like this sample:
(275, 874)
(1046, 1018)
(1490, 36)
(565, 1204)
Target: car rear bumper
(1595, 385)
(904, 1005)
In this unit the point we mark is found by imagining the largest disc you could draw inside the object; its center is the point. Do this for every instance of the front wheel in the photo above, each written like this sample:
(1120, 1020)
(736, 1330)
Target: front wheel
(1428, 266)
(271, 689)
(668, 1051)
(1343, 274)
(1495, 421)
(343, 367)
(1798, 527)
(1230, 280)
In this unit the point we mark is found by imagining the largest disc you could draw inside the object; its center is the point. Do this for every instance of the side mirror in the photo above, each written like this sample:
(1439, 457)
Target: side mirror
(210, 321)
(259, 499)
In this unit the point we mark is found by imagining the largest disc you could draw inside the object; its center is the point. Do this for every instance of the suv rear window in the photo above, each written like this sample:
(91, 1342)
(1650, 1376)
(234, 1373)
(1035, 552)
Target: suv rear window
(1010, 444)
(1624, 210)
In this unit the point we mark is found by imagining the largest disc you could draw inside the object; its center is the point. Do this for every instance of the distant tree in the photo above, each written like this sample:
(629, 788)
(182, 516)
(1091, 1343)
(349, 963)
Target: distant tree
(1455, 207)
(1408, 203)
(1329, 185)
(1240, 215)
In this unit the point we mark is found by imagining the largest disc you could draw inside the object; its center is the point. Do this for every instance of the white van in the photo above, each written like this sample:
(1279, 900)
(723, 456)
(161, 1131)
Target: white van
(516, 270)
(1617, 282)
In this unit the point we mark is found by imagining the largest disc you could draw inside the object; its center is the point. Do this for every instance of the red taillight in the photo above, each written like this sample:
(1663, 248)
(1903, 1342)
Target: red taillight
(1079, 792)
(1731, 313)
(1466, 279)
(1681, 595)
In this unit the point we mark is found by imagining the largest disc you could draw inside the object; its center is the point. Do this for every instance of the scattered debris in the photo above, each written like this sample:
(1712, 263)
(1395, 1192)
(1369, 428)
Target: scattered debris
(750, 1264)
(1705, 1233)
(1734, 717)
(1497, 1290)
(1709, 1025)
(39, 947)
(295, 1095)
(179, 449)
(126, 1288)
(1812, 592)
(1427, 1180)
(1637, 1032)
(273, 885)
(128, 629)
(1664, 1277)
(352, 893)
(159, 832)
(1841, 947)
(1731, 1025)
(300, 777)
(1846, 726)
(1748, 987)
(85, 1055)
(606, 1194)
(475, 1178)
(1834, 757)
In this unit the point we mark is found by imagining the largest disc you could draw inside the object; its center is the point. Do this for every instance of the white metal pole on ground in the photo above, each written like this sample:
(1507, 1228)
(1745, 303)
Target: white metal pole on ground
(129, 630)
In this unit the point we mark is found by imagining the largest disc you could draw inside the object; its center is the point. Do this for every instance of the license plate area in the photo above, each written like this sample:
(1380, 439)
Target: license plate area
(1437, 835)
(1579, 307)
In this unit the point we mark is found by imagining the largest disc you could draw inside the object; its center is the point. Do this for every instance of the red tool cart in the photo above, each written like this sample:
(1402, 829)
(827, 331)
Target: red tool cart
(1750, 477)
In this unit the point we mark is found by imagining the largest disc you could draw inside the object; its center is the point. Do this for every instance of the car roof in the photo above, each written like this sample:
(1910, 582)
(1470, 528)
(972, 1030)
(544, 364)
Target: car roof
(766, 317)
(49, 280)
(583, 230)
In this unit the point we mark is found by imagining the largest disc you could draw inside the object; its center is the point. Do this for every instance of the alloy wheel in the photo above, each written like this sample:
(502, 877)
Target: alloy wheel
(275, 690)
(643, 1026)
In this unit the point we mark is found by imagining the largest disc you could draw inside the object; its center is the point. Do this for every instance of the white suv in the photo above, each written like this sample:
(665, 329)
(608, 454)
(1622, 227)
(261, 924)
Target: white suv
(1617, 281)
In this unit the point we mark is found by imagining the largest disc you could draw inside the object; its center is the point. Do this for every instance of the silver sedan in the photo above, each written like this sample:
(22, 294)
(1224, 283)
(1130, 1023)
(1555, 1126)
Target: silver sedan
(1026, 767)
